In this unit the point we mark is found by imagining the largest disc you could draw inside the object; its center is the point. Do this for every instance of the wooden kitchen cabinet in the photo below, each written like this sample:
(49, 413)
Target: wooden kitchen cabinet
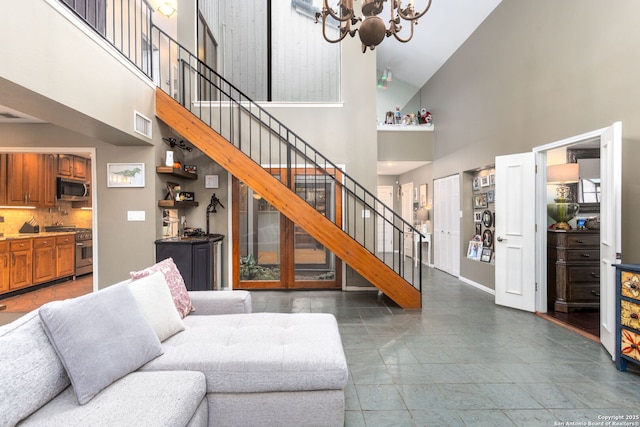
(44, 259)
(21, 263)
(71, 166)
(48, 182)
(24, 177)
(3, 179)
(65, 255)
(4, 266)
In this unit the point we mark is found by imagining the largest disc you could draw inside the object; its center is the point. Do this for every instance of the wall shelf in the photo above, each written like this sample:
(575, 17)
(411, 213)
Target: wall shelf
(406, 128)
(175, 204)
(177, 172)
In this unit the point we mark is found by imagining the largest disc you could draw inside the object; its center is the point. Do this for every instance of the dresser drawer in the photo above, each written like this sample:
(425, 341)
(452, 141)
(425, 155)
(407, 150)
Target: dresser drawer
(630, 341)
(586, 254)
(584, 292)
(630, 284)
(586, 273)
(630, 314)
(577, 240)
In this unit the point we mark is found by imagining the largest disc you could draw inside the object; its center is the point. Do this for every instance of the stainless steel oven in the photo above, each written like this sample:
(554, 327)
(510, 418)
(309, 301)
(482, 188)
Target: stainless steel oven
(84, 251)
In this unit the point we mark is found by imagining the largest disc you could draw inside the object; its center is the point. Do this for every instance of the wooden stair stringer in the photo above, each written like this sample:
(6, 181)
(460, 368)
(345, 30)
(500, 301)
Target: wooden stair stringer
(287, 202)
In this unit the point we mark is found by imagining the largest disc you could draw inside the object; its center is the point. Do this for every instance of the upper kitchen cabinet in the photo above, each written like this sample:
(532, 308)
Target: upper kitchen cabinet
(71, 166)
(30, 179)
(3, 179)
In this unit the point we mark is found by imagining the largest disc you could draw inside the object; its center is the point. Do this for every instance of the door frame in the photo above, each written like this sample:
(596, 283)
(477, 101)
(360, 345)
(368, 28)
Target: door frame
(287, 279)
(406, 190)
(540, 154)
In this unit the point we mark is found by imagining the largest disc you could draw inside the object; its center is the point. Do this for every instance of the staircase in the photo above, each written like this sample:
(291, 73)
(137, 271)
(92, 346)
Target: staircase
(241, 137)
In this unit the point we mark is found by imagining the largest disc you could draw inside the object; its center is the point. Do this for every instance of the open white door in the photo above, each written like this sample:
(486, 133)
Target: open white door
(385, 224)
(514, 244)
(610, 229)
(407, 215)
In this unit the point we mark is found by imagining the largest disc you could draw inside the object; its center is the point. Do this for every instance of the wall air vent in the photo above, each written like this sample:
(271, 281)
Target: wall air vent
(141, 124)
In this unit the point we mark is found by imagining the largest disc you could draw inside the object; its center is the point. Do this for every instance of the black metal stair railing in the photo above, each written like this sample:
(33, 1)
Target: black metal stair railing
(270, 143)
(254, 131)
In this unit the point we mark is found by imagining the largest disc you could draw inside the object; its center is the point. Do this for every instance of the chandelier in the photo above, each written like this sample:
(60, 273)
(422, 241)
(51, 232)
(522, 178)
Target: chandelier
(372, 29)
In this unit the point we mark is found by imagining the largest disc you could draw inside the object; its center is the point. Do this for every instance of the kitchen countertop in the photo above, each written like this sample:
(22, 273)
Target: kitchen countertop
(192, 239)
(34, 235)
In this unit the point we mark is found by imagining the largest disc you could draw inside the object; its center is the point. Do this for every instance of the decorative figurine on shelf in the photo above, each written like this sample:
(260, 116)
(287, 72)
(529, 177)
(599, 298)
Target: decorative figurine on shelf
(398, 116)
(389, 118)
(425, 117)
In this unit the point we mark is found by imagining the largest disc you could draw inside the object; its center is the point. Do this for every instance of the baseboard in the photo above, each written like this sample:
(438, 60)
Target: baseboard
(477, 285)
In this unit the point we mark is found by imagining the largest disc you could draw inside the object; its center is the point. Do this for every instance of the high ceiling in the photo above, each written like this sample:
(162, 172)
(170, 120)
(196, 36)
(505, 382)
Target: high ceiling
(439, 33)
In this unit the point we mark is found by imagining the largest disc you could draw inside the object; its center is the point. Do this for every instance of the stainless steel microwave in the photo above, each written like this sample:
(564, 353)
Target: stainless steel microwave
(72, 189)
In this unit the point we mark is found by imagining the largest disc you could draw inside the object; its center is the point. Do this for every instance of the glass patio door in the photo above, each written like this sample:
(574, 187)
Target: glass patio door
(271, 251)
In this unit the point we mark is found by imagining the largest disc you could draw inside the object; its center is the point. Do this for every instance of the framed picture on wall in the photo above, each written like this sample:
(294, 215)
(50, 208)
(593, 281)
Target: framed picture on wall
(475, 250)
(125, 174)
(491, 196)
(484, 181)
(486, 254)
(476, 183)
(477, 217)
(423, 195)
(480, 201)
(492, 179)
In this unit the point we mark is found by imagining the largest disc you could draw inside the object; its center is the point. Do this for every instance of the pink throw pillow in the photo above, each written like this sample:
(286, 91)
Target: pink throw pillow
(175, 281)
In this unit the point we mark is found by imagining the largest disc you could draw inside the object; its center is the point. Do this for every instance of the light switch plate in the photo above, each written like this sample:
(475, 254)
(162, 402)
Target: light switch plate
(211, 181)
(135, 215)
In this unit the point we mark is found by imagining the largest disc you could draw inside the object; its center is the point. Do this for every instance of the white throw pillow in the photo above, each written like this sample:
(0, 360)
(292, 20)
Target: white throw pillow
(99, 337)
(154, 299)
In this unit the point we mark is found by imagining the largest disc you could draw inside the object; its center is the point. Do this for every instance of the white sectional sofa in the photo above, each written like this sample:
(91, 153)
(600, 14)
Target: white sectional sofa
(70, 363)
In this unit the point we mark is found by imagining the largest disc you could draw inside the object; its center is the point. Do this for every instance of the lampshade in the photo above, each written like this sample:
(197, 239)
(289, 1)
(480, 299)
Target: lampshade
(565, 173)
(564, 209)
(422, 214)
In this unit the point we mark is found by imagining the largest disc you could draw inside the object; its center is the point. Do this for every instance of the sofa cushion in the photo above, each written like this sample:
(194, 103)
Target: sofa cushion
(259, 352)
(100, 337)
(138, 399)
(154, 299)
(31, 372)
(175, 281)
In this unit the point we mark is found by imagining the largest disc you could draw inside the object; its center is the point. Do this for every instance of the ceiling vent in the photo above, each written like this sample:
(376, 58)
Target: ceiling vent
(141, 124)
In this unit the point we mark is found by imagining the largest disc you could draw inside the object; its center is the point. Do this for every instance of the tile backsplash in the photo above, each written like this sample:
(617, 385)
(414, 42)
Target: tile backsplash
(62, 213)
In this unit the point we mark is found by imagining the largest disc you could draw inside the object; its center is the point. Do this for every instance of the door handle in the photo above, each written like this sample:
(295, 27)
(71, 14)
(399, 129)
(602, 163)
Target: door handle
(500, 239)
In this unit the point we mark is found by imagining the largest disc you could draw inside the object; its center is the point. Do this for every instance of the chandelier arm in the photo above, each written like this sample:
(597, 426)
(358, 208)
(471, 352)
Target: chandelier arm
(343, 31)
(411, 17)
(400, 39)
(326, 10)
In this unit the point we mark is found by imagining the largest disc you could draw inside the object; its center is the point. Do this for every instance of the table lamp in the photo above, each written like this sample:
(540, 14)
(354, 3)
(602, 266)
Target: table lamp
(564, 209)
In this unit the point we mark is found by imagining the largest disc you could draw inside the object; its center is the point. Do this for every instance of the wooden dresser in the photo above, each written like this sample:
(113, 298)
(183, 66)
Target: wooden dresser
(627, 315)
(573, 269)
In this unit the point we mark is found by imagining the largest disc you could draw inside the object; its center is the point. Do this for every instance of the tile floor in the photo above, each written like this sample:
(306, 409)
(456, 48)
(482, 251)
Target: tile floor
(462, 360)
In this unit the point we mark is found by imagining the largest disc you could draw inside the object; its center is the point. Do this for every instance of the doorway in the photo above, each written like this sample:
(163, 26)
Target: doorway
(573, 284)
(407, 200)
(270, 250)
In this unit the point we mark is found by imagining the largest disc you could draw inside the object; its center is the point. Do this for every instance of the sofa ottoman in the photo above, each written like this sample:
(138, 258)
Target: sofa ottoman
(263, 369)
